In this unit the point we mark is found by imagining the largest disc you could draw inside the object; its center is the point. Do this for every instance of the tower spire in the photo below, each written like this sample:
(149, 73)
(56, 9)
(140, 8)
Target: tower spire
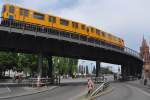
(144, 42)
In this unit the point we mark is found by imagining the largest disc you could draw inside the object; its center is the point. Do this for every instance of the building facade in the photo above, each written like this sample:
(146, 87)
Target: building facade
(145, 54)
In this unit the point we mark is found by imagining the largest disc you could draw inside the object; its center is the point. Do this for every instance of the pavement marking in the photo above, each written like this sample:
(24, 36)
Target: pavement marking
(140, 90)
(8, 89)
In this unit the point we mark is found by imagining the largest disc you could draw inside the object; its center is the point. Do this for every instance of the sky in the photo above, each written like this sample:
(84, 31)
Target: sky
(128, 19)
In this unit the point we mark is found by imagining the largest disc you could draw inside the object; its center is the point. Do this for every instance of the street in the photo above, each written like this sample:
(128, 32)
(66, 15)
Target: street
(125, 91)
(60, 93)
(72, 89)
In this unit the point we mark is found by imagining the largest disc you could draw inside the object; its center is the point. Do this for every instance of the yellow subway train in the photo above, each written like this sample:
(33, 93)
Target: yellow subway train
(17, 13)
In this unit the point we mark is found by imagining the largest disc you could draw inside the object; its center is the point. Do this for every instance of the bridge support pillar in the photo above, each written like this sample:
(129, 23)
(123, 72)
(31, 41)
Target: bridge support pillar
(97, 68)
(50, 68)
(124, 72)
(40, 64)
(139, 68)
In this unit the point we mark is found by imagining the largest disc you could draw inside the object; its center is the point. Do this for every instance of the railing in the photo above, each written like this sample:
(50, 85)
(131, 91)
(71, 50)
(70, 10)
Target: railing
(102, 87)
(61, 33)
(35, 81)
(99, 79)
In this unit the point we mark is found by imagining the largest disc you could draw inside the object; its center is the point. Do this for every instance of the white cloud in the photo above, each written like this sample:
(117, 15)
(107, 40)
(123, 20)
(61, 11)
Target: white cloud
(129, 19)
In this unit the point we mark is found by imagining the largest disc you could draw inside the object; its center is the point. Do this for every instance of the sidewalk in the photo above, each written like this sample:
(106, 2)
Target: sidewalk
(22, 91)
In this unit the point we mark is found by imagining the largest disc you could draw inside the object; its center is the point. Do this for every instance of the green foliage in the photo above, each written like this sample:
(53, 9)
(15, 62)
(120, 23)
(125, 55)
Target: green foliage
(7, 60)
(65, 65)
(28, 63)
(106, 71)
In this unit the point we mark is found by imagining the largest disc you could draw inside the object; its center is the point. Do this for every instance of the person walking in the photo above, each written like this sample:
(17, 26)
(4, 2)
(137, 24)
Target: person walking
(90, 86)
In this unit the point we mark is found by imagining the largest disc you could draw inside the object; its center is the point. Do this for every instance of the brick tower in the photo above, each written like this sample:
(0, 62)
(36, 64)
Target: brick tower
(145, 54)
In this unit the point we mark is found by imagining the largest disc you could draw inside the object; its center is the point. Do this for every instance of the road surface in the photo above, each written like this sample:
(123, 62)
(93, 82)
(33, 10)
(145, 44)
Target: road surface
(66, 92)
(125, 91)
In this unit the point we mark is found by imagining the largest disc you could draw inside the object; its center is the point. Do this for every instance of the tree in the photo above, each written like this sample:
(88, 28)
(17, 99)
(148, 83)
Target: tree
(7, 62)
(106, 71)
(28, 63)
(65, 65)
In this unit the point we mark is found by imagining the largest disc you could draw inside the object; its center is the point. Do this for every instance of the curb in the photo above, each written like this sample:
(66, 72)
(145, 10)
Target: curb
(26, 94)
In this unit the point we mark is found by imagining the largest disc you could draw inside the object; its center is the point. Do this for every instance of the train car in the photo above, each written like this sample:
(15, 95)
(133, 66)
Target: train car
(38, 19)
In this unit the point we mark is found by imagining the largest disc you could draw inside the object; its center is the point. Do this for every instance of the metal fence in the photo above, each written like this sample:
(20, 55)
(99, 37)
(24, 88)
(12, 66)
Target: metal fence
(36, 81)
(102, 87)
(101, 79)
(60, 33)
(31, 82)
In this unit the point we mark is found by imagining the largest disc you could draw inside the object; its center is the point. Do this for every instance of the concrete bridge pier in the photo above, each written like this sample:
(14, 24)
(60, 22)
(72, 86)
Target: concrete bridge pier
(98, 68)
(132, 70)
(40, 64)
(50, 68)
(139, 68)
(125, 72)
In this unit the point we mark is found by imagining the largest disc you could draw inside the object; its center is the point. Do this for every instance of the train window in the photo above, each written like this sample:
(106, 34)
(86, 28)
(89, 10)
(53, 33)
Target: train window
(92, 30)
(64, 22)
(24, 12)
(83, 27)
(87, 29)
(52, 19)
(11, 9)
(38, 16)
(109, 35)
(4, 8)
(103, 34)
(97, 31)
(74, 25)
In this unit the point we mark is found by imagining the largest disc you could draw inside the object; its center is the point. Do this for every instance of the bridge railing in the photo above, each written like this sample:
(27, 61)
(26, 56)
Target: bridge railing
(53, 31)
(132, 52)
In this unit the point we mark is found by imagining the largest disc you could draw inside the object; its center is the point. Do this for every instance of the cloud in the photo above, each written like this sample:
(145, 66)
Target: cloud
(128, 19)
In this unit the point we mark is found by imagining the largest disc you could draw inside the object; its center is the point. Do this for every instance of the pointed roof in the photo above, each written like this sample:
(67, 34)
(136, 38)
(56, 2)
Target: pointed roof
(144, 42)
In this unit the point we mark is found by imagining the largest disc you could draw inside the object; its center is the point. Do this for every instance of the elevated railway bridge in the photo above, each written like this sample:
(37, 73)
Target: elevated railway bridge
(53, 42)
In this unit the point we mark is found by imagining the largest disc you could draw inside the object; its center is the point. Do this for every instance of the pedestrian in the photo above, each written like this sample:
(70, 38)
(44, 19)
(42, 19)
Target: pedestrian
(90, 86)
